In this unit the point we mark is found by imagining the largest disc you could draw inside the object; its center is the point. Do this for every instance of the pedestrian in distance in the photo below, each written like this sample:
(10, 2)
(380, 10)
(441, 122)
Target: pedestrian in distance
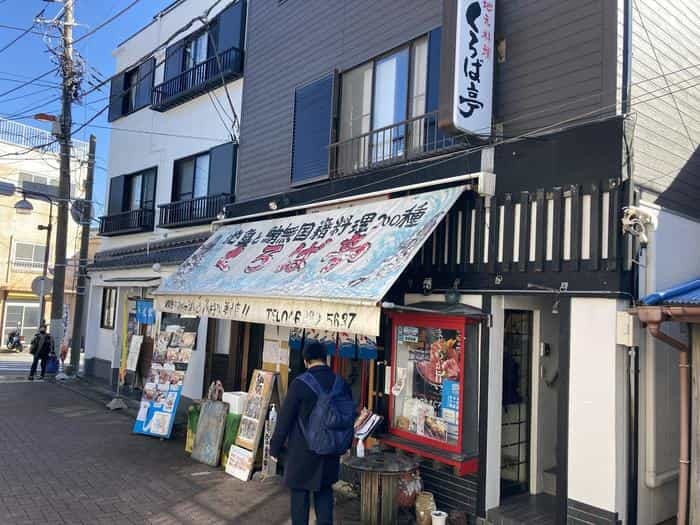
(41, 347)
(316, 421)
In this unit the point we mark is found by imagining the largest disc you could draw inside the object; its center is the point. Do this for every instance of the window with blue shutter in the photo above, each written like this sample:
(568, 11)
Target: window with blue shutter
(313, 115)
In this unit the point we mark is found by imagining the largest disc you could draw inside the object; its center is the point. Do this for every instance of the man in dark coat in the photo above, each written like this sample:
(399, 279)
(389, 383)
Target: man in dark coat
(304, 471)
(41, 347)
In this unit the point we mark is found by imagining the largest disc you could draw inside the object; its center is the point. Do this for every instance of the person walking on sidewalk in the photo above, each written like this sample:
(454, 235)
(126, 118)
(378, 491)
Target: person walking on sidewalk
(41, 347)
(306, 471)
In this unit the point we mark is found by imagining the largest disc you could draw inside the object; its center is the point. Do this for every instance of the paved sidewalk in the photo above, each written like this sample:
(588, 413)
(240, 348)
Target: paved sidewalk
(64, 458)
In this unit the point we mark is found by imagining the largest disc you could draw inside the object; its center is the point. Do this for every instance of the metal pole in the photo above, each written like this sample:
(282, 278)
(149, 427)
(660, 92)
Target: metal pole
(47, 249)
(64, 176)
(80, 290)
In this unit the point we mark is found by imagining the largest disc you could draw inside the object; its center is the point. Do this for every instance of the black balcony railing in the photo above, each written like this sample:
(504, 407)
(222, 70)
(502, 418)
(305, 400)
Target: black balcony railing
(133, 221)
(191, 212)
(410, 139)
(198, 79)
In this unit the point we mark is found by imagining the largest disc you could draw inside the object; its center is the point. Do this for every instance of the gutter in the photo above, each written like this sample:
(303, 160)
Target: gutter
(653, 317)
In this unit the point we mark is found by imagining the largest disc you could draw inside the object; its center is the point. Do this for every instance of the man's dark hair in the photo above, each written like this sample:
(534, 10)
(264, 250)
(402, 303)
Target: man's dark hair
(314, 352)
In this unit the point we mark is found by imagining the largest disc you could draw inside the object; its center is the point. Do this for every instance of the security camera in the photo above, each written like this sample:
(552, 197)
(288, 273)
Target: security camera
(635, 221)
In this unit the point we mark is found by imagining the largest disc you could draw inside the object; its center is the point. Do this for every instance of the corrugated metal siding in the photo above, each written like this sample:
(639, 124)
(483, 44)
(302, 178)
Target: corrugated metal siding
(561, 63)
(666, 101)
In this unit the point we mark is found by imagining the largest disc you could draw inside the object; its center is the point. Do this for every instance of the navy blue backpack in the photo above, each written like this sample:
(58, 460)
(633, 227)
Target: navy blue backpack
(330, 427)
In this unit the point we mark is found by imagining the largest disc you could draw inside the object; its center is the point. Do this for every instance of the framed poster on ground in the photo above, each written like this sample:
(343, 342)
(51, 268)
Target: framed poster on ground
(253, 419)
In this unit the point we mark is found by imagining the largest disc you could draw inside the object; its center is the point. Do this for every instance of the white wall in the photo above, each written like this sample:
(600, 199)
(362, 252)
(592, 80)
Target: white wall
(597, 406)
(671, 258)
(196, 122)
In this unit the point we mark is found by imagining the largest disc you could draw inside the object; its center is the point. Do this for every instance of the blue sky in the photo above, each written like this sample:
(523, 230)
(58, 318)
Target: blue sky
(28, 58)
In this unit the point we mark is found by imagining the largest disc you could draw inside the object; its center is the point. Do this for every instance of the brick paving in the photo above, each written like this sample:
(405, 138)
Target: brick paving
(66, 459)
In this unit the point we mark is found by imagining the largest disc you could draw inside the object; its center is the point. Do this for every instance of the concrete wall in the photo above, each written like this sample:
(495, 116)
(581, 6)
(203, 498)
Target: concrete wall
(184, 130)
(597, 407)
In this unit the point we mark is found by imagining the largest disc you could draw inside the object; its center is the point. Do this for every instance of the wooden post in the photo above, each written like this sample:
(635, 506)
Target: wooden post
(695, 426)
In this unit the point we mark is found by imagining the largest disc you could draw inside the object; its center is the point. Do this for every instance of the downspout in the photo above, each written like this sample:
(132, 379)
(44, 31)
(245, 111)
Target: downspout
(654, 328)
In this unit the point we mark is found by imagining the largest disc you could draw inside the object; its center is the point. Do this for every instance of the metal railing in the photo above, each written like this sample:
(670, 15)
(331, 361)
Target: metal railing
(192, 211)
(409, 139)
(19, 134)
(198, 79)
(27, 266)
(127, 222)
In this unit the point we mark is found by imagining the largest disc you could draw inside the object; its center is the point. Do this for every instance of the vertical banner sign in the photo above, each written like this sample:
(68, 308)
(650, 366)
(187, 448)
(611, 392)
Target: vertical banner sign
(145, 314)
(468, 94)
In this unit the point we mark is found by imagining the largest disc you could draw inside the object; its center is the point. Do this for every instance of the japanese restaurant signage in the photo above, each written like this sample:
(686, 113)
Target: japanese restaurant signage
(326, 270)
(466, 96)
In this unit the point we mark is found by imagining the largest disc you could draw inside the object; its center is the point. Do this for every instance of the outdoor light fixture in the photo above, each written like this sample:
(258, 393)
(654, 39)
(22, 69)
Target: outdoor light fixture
(221, 215)
(272, 205)
(452, 295)
(24, 207)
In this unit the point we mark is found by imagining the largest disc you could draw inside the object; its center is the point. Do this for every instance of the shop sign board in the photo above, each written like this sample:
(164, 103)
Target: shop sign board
(466, 96)
(325, 271)
(145, 313)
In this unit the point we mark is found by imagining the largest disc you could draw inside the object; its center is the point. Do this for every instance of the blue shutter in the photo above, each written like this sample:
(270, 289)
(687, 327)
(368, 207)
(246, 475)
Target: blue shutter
(313, 114)
(116, 94)
(115, 201)
(231, 27)
(144, 85)
(222, 168)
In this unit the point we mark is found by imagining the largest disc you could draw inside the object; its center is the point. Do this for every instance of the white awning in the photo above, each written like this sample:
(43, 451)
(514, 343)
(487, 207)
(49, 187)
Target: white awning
(326, 271)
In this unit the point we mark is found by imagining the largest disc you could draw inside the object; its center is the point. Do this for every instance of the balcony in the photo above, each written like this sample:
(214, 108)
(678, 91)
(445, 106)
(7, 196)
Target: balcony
(198, 79)
(410, 139)
(27, 266)
(192, 212)
(134, 221)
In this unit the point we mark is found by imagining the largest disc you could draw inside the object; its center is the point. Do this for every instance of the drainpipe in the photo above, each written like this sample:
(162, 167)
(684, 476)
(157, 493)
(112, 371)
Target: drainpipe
(653, 318)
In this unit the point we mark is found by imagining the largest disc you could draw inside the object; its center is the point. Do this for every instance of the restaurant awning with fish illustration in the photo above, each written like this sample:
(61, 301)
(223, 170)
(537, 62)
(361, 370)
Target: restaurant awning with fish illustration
(327, 270)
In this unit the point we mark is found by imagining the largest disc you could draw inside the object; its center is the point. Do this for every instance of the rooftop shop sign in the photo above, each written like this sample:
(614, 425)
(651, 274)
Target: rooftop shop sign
(466, 75)
(326, 270)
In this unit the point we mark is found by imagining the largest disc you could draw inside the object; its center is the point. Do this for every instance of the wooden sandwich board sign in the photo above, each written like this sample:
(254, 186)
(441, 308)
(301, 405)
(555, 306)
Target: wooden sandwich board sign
(263, 389)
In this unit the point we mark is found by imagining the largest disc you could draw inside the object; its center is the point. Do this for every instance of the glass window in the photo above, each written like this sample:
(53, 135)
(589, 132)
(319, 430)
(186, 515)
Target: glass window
(427, 379)
(26, 315)
(389, 106)
(356, 102)
(191, 178)
(109, 307)
(419, 83)
(201, 176)
(31, 253)
(130, 81)
(135, 182)
(196, 51)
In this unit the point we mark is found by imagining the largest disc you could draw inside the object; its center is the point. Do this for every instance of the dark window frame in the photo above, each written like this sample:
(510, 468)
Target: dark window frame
(109, 307)
(127, 189)
(175, 172)
(410, 47)
(129, 81)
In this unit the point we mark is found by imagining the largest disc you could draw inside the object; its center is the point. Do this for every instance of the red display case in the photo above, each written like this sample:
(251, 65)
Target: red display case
(432, 401)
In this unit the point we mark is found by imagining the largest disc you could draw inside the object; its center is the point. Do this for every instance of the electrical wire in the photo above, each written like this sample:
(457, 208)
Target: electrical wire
(22, 34)
(29, 82)
(108, 21)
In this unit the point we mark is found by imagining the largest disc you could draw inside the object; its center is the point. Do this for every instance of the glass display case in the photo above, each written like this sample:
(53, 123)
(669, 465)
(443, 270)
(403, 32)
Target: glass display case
(433, 386)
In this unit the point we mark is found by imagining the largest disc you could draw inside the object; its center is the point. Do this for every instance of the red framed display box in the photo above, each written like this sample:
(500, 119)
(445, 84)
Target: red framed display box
(429, 390)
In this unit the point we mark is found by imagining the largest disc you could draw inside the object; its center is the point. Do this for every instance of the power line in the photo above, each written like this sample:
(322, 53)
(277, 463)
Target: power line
(29, 82)
(109, 20)
(15, 28)
(23, 34)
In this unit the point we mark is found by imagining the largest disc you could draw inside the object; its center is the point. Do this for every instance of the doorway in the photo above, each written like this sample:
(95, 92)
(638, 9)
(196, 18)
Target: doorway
(516, 405)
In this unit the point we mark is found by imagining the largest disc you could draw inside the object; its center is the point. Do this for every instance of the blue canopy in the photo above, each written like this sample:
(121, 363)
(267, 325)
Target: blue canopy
(687, 293)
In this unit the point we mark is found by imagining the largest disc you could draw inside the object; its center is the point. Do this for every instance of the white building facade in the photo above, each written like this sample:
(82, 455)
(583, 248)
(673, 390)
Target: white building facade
(174, 107)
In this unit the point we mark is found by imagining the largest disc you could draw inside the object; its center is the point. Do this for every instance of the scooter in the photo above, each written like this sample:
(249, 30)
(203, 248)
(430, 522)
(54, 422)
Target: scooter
(15, 343)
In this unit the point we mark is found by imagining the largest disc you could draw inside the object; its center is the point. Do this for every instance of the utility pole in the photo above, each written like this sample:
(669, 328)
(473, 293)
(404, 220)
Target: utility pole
(81, 286)
(45, 269)
(64, 175)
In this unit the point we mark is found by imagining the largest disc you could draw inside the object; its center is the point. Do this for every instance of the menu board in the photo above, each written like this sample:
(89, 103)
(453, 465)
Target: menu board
(163, 384)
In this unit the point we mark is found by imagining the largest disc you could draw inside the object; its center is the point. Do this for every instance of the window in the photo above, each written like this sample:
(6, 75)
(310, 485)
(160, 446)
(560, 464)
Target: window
(132, 192)
(131, 89)
(37, 179)
(379, 96)
(191, 178)
(28, 256)
(22, 314)
(196, 51)
(109, 308)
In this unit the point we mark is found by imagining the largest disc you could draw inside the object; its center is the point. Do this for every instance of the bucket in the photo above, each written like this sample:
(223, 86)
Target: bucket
(439, 517)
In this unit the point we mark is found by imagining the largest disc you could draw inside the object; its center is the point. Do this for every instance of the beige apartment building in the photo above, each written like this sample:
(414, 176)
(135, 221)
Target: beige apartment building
(29, 169)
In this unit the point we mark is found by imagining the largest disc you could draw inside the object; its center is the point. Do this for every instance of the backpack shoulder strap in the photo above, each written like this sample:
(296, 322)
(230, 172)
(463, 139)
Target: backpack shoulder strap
(309, 380)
